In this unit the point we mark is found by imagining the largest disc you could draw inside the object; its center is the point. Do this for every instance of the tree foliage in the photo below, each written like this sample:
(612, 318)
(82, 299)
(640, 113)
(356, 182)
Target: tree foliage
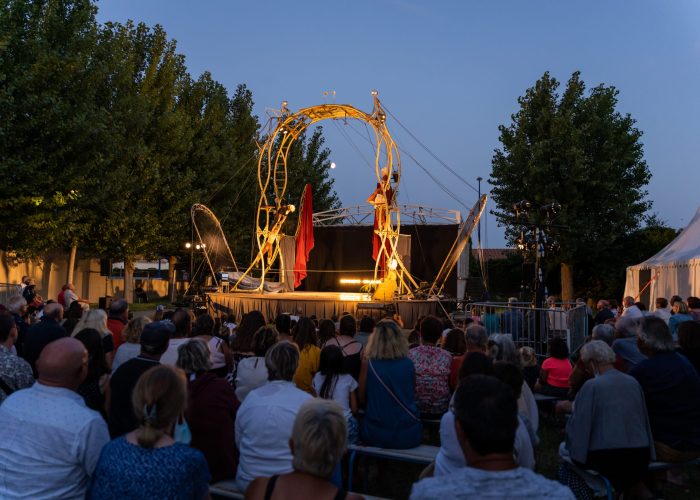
(579, 150)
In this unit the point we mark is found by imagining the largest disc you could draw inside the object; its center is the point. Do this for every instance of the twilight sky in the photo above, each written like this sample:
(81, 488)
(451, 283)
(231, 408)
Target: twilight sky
(451, 72)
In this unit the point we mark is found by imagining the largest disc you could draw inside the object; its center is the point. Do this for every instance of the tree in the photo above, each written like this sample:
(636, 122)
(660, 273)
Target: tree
(576, 149)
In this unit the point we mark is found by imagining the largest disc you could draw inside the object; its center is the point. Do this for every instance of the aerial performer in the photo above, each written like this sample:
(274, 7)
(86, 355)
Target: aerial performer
(382, 199)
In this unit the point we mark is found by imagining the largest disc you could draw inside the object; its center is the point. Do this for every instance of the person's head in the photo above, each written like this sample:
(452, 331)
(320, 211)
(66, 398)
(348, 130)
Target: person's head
(132, 330)
(604, 332)
(70, 286)
(183, 323)
(502, 348)
(675, 298)
(17, 305)
(283, 324)
(431, 330)
(250, 323)
(193, 356)
(24, 279)
(319, 438)
(475, 363)
(203, 325)
(326, 331)
(330, 365)
(596, 354)
(626, 327)
(159, 399)
(628, 302)
(347, 326)
(527, 356)
(602, 304)
(661, 303)
(305, 333)
(155, 338)
(551, 301)
(476, 338)
(367, 324)
(119, 309)
(693, 303)
(689, 335)
(654, 336)
(509, 375)
(97, 364)
(263, 339)
(558, 349)
(512, 301)
(281, 361)
(74, 311)
(8, 329)
(63, 363)
(679, 307)
(94, 318)
(387, 342)
(54, 312)
(486, 418)
(454, 342)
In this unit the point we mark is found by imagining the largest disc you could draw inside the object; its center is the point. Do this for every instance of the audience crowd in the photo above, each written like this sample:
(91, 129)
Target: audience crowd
(98, 404)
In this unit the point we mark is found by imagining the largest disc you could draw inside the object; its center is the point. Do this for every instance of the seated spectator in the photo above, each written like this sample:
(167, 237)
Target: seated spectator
(242, 343)
(432, 366)
(148, 462)
(476, 340)
(351, 348)
(387, 389)
(61, 296)
(625, 344)
(154, 342)
(680, 315)
(366, 329)
(117, 319)
(608, 433)
(183, 330)
(309, 354)
(554, 375)
(17, 307)
(689, 342)
(251, 372)
(97, 319)
(34, 300)
(49, 440)
(331, 382)
(694, 308)
(95, 387)
(454, 342)
(662, 310)
(486, 420)
(70, 296)
(72, 316)
(604, 312)
(525, 437)
(15, 373)
(513, 320)
(283, 324)
(317, 444)
(630, 309)
(266, 417)
(131, 346)
(43, 333)
(326, 331)
(672, 392)
(531, 370)
(211, 410)
(220, 353)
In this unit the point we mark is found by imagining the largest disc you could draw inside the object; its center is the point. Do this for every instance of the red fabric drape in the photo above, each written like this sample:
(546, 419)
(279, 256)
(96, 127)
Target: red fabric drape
(305, 237)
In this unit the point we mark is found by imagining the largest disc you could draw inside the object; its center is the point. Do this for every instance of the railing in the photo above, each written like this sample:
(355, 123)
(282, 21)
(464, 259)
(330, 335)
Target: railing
(410, 214)
(529, 326)
(7, 291)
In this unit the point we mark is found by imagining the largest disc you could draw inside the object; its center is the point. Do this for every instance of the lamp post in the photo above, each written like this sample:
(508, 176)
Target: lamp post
(478, 224)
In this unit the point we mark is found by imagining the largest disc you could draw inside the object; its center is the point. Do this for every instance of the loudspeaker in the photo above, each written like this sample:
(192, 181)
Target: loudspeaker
(104, 303)
(105, 267)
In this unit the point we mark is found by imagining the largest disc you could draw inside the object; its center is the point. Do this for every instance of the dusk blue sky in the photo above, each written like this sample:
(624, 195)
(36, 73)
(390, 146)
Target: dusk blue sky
(451, 72)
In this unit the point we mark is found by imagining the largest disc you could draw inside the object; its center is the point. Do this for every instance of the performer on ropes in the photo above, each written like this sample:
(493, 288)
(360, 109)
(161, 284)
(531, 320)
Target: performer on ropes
(382, 199)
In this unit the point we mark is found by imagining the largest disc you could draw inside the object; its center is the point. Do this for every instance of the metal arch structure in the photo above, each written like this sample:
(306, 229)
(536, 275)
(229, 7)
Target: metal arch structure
(283, 130)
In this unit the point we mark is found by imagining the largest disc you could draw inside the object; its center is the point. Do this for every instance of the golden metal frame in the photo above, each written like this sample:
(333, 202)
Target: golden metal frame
(283, 130)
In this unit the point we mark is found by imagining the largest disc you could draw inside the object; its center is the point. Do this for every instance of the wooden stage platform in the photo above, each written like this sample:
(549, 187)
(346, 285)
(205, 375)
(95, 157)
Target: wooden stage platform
(319, 304)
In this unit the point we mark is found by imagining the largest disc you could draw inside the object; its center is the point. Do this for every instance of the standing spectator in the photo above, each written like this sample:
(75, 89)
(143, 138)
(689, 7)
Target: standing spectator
(266, 417)
(555, 371)
(49, 440)
(387, 388)
(154, 342)
(95, 387)
(680, 314)
(556, 318)
(689, 342)
(486, 419)
(351, 348)
(513, 320)
(211, 410)
(366, 329)
(72, 316)
(309, 354)
(604, 312)
(251, 372)
(117, 319)
(490, 320)
(15, 373)
(17, 306)
(41, 334)
(331, 382)
(97, 319)
(183, 329)
(147, 462)
(132, 341)
(432, 367)
(662, 310)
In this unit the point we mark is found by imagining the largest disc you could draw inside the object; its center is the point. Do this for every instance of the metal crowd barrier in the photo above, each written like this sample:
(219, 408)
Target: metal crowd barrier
(7, 291)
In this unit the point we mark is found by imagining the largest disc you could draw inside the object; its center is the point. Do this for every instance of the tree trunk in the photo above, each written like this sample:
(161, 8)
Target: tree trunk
(128, 281)
(71, 263)
(567, 282)
(172, 260)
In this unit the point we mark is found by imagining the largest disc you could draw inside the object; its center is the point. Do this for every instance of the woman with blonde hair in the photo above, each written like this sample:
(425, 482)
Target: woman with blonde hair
(97, 319)
(679, 315)
(148, 462)
(387, 387)
(131, 347)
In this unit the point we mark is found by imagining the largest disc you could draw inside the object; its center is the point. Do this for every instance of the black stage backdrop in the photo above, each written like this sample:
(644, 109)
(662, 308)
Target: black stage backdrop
(346, 252)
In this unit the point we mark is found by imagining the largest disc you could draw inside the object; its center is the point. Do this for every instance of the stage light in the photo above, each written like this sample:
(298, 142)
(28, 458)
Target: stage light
(204, 245)
(350, 281)
(188, 245)
(374, 93)
(332, 164)
(197, 247)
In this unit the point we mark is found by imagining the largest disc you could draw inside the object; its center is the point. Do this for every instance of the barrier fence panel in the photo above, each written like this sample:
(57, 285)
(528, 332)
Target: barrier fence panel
(530, 326)
(7, 291)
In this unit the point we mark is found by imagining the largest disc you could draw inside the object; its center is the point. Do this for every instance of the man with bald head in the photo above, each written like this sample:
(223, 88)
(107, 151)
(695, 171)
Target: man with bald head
(49, 440)
(44, 332)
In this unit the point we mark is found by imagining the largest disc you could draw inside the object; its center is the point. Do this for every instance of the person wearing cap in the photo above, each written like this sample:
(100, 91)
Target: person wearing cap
(154, 342)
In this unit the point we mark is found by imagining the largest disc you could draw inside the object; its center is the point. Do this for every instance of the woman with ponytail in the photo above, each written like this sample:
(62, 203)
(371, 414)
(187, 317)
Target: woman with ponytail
(149, 462)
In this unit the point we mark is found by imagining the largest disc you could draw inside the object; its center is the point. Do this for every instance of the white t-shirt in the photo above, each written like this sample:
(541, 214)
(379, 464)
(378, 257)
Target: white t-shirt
(170, 356)
(69, 296)
(251, 373)
(344, 385)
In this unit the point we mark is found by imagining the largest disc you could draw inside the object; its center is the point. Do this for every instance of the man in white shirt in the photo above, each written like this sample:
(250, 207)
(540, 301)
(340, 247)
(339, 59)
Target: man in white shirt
(631, 311)
(49, 440)
(69, 296)
(662, 310)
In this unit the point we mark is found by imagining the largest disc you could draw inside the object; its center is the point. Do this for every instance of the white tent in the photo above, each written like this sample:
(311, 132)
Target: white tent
(675, 270)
